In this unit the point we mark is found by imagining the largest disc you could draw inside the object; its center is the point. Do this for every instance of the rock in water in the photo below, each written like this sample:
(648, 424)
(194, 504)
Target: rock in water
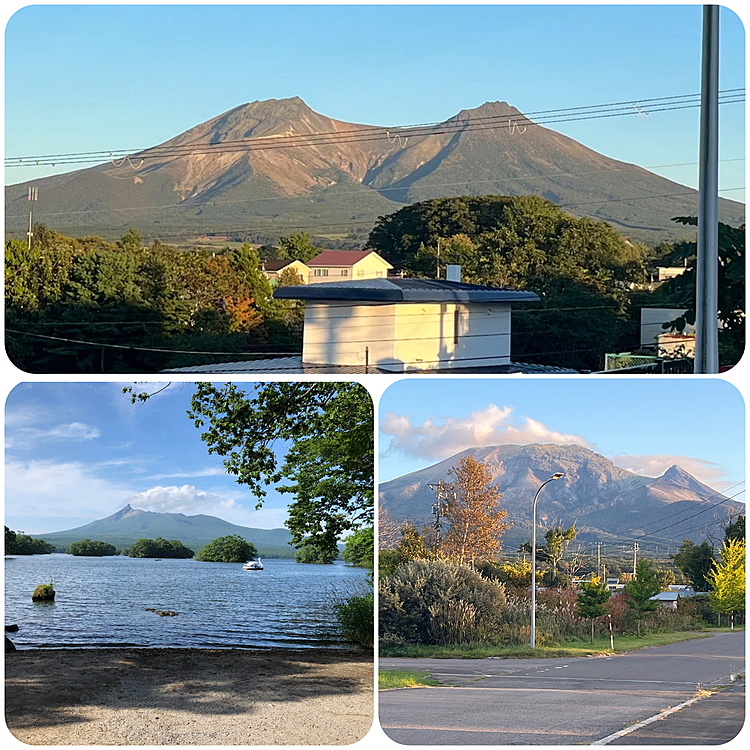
(43, 593)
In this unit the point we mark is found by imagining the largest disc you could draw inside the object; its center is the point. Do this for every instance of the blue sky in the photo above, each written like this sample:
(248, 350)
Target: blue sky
(77, 452)
(645, 425)
(87, 78)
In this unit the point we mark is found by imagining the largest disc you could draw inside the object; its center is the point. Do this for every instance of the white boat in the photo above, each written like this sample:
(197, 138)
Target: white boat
(253, 565)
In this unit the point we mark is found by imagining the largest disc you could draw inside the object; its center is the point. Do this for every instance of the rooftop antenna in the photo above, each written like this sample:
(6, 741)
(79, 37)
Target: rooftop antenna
(33, 195)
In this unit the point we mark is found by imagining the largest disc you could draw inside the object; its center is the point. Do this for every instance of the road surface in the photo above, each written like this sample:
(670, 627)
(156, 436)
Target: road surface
(553, 701)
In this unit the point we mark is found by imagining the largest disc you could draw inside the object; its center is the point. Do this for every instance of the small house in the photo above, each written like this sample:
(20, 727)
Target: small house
(345, 265)
(272, 269)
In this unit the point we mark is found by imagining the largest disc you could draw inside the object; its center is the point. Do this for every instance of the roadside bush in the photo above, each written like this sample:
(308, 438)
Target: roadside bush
(439, 603)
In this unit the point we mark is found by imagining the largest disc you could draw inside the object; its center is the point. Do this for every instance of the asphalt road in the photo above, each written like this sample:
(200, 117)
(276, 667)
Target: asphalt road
(553, 701)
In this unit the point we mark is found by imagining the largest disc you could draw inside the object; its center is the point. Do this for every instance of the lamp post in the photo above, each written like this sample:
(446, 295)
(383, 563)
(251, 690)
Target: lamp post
(557, 475)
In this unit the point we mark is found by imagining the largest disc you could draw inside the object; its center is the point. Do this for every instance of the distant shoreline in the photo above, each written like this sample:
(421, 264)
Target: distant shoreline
(189, 696)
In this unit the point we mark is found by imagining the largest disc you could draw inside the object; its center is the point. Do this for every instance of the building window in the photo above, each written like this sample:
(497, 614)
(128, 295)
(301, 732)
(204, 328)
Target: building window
(320, 272)
(360, 274)
(344, 271)
(378, 274)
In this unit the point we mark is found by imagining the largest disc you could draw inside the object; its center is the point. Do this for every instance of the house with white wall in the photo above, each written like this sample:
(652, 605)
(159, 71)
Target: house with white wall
(272, 269)
(406, 325)
(346, 265)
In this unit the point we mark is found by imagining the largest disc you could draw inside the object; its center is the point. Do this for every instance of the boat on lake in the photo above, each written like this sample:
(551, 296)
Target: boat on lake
(253, 565)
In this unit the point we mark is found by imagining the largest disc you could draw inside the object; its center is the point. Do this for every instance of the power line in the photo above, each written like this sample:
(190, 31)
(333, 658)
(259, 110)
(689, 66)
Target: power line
(597, 111)
(376, 191)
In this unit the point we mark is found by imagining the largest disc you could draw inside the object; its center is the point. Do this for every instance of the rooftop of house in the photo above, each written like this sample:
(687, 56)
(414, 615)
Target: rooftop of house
(295, 366)
(276, 264)
(341, 258)
(403, 290)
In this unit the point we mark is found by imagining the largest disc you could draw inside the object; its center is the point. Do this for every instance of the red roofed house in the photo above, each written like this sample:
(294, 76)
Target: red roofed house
(347, 265)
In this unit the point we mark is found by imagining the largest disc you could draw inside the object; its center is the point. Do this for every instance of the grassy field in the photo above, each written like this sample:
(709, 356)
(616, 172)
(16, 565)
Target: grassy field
(562, 650)
(389, 679)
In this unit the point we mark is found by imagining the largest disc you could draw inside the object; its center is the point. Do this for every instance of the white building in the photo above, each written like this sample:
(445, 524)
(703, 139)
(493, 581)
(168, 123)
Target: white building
(406, 325)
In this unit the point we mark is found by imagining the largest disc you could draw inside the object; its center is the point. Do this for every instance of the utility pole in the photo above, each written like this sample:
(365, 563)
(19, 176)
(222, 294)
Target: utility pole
(598, 557)
(443, 490)
(33, 195)
(707, 265)
(635, 556)
(438, 259)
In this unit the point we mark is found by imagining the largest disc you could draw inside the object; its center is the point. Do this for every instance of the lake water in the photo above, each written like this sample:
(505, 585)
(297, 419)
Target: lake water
(102, 601)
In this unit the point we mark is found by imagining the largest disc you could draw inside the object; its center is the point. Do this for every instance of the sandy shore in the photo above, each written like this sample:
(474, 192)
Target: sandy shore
(188, 697)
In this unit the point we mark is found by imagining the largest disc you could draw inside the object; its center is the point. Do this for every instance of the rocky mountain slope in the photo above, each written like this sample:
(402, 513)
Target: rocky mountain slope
(605, 502)
(277, 165)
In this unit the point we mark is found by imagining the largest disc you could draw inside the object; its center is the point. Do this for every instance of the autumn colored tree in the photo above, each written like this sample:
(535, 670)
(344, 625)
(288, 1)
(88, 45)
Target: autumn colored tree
(474, 515)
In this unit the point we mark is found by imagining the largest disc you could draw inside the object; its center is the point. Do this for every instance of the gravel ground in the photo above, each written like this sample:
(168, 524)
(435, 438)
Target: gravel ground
(188, 697)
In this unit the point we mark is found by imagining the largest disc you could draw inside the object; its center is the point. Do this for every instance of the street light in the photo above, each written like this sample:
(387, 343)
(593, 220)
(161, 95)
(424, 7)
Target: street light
(557, 475)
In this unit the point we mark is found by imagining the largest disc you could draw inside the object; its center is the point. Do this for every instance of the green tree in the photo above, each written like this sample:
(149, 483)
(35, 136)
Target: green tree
(227, 549)
(727, 579)
(640, 590)
(558, 540)
(298, 246)
(695, 561)
(10, 541)
(310, 553)
(359, 548)
(735, 529)
(680, 291)
(591, 601)
(329, 465)
(89, 548)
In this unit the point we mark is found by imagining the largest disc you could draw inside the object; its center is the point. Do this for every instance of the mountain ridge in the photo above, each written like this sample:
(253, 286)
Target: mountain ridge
(124, 527)
(209, 178)
(605, 501)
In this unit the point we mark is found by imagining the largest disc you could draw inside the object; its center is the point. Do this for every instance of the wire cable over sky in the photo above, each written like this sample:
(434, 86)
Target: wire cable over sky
(396, 135)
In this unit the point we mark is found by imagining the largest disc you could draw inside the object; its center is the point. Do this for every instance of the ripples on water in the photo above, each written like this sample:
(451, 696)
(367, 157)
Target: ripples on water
(102, 601)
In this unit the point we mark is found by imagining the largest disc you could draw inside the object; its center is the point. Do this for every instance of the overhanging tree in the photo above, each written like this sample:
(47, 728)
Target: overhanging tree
(329, 465)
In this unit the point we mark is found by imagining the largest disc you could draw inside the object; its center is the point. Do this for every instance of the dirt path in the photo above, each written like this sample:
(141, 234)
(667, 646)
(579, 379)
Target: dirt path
(188, 697)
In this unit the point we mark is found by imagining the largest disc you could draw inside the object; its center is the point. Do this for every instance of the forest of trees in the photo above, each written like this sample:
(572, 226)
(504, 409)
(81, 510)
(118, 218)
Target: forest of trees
(18, 543)
(87, 305)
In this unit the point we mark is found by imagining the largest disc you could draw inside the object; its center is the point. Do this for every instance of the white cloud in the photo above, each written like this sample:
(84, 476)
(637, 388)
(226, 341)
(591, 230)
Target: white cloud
(436, 439)
(712, 474)
(28, 437)
(210, 471)
(47, 488)
(186, 499)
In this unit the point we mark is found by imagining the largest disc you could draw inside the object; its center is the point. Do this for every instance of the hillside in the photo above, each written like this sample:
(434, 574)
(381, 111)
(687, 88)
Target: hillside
(605, 502)
(128, 525)
(276, 166)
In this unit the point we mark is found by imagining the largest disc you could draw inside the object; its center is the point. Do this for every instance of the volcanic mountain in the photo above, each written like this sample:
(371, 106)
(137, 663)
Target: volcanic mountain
(605, 502)
(129, 524)
(277, 166)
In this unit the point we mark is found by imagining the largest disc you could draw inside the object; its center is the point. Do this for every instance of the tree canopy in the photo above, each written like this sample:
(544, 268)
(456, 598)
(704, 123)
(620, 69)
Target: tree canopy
(310, 553)
(328, 431)
(18, 543)
(89, 548)
(581, 268)
(695, 561)
(727, 578)
(88, 305)
(160, 548)
(227, 549)
(359, 548)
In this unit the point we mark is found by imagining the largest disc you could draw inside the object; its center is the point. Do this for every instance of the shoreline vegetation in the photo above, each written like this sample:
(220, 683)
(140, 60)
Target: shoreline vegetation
(183, 696)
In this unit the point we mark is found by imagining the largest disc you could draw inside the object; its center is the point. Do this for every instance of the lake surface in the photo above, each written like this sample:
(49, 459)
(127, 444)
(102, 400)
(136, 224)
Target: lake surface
(102, 601)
